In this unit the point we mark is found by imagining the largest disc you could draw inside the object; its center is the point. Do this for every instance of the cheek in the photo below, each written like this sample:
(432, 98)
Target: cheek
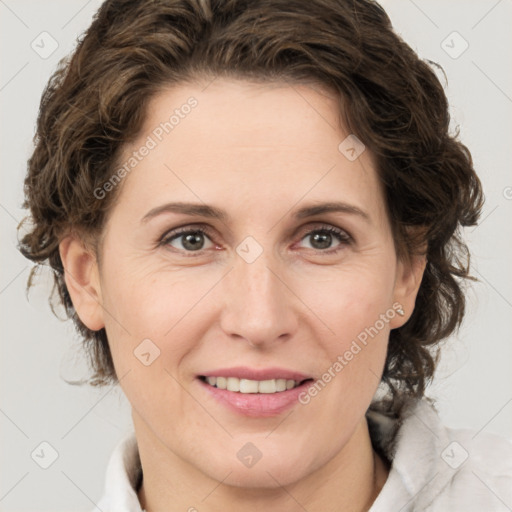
(155, 323)
(353, 304)
(351, 300)
(160, 313)
(151, 302)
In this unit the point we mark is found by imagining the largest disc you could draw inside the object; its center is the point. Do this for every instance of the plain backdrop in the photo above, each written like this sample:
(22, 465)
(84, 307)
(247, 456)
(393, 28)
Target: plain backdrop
(38, 351)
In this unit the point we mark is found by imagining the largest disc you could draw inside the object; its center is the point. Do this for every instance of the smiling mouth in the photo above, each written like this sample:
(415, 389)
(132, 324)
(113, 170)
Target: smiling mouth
(247, 386)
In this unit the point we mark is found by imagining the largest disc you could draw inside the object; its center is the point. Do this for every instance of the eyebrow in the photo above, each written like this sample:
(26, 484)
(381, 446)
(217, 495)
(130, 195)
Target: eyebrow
(204, 210)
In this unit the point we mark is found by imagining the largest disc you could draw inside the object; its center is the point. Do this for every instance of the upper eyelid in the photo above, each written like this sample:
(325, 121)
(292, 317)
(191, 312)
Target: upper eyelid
(182, 230)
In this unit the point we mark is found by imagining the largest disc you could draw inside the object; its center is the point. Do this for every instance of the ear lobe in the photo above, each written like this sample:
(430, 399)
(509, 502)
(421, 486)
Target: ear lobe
(81, 276)
(408, 281)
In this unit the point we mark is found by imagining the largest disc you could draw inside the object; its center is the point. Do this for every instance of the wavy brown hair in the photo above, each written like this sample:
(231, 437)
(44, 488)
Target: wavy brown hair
(391, 99)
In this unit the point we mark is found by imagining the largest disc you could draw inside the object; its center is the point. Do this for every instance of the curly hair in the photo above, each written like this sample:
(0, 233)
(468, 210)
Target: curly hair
(96, 101)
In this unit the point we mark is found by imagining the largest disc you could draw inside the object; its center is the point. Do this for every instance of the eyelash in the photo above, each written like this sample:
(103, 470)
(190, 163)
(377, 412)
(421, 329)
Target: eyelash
(343, 237)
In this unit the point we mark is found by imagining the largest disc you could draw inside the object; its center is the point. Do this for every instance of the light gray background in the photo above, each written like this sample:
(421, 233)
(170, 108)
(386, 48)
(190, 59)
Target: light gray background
(474, 381)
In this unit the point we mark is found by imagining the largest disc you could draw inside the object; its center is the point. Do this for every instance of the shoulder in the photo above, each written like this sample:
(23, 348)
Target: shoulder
(436, 468)
(481, 467)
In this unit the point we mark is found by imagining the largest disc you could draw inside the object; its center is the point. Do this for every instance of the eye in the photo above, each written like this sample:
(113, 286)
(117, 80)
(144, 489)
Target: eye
(191, 240)
(322, 238)
(188, 240)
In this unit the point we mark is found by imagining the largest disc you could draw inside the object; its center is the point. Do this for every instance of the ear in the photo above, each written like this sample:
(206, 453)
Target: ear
(408, 280)
(81, 275)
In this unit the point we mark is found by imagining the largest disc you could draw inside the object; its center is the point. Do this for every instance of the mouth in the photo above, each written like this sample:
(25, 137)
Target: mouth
(248, 386)
(261, 398)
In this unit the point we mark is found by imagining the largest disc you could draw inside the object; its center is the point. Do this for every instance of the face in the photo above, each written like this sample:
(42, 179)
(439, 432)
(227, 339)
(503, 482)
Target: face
(267, 290)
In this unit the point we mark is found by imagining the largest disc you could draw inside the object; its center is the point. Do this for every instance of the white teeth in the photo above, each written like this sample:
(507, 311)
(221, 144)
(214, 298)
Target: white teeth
(280, 384)
(252, 386)
(248, 386)
(233, 384)
(221, 383)
(267, 386)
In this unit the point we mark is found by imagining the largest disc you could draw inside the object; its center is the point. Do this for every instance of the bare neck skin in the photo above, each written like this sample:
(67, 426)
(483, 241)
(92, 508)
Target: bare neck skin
(351, 481)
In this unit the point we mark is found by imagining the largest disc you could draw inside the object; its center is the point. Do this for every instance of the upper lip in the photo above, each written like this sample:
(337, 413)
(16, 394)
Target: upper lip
(244, 372)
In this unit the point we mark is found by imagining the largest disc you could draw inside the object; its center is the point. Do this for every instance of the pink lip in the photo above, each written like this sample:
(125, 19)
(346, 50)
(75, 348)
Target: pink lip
(243, 372)
(262, 405)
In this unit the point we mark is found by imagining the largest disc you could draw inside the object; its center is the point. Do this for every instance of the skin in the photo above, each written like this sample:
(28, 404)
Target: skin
(260, 152)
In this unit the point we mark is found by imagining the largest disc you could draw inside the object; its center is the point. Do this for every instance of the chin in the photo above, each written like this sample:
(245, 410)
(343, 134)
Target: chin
(271, 471)
(265, 477)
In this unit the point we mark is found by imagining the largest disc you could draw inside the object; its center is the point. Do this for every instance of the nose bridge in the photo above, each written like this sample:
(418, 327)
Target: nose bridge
(256, 285)
(258, 307)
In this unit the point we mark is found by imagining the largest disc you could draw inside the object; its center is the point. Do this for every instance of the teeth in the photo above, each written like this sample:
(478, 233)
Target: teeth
(252, 386)
(280, 384)
(233, 384)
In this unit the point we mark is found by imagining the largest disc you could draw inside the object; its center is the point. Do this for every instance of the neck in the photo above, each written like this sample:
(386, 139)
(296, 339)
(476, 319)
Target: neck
(352, 479)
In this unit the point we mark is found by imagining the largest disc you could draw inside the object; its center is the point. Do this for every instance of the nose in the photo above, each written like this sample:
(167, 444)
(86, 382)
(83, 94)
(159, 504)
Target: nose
(259, 306)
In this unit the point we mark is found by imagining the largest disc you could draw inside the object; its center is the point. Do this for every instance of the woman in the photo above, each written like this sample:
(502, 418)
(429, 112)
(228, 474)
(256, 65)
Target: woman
(252, 210)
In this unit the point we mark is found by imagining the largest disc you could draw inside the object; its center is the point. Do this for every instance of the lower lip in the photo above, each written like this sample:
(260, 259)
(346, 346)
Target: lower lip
(259, 405)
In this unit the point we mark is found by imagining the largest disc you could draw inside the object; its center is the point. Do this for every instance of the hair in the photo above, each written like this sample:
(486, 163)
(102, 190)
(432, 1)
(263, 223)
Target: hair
(392, 100)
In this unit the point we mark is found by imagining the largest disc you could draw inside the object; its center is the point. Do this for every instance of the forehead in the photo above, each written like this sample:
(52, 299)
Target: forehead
(245, 115)
(240, 142)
